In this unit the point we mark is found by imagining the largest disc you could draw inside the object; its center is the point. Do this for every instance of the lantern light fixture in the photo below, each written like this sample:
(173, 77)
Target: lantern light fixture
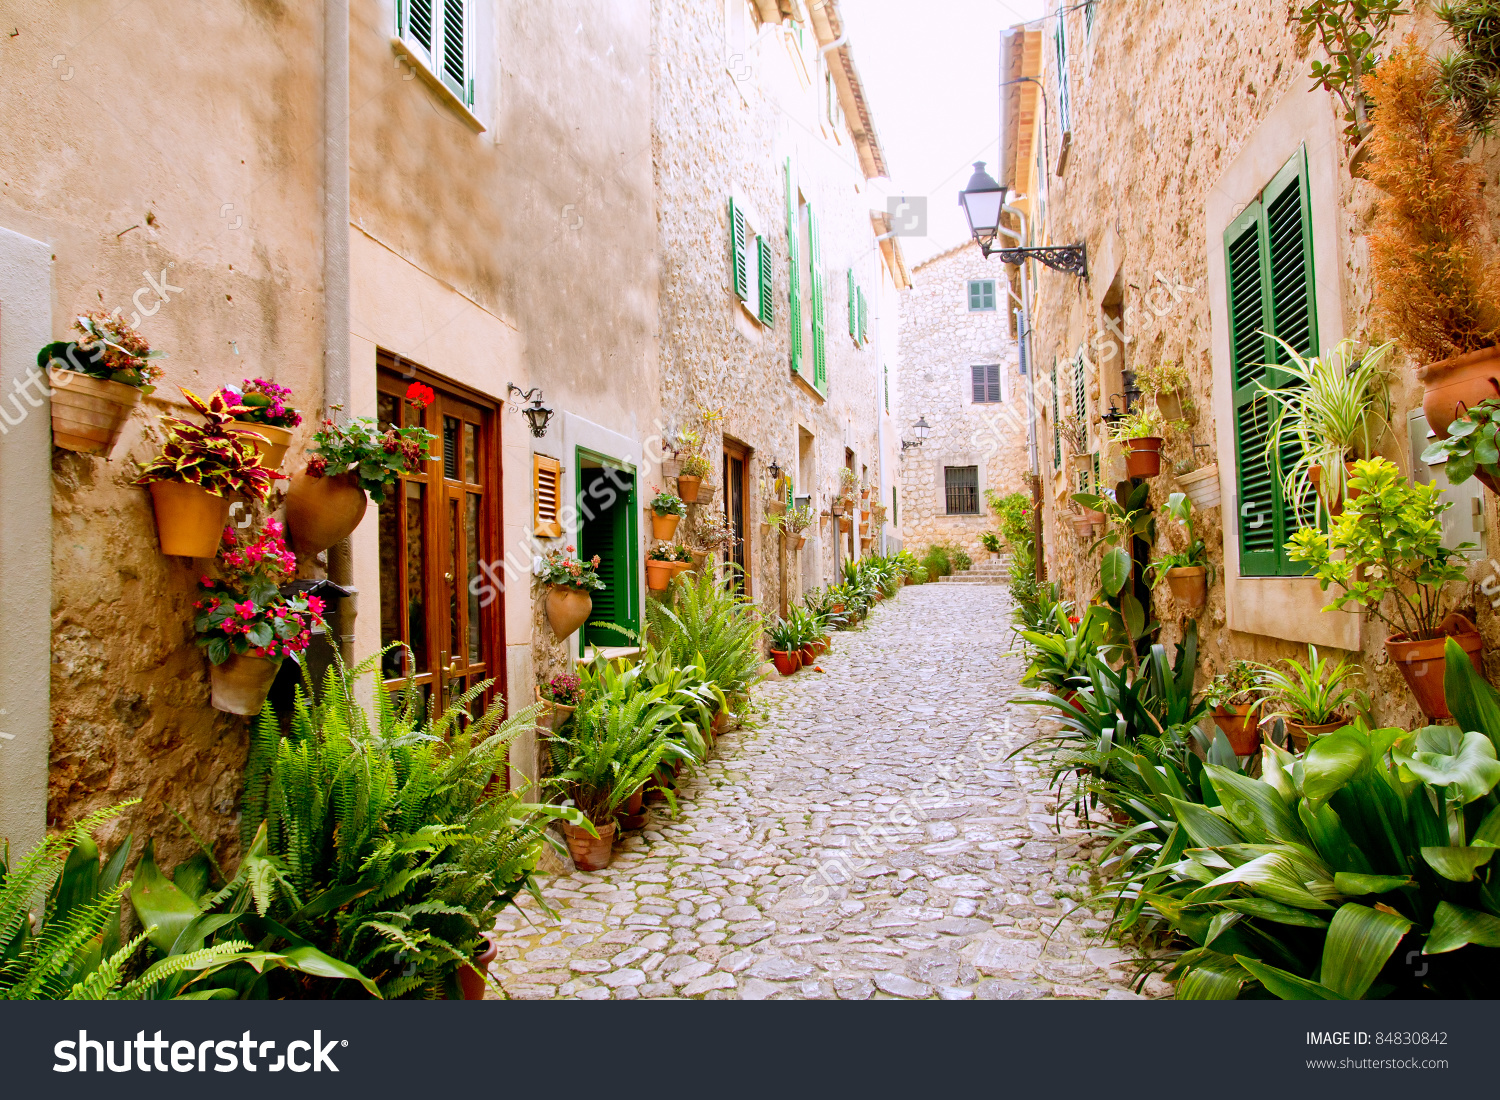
(537, 414)
(984, 204)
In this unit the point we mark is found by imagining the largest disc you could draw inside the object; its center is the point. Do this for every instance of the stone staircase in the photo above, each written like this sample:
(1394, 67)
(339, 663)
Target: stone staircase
(985, 570)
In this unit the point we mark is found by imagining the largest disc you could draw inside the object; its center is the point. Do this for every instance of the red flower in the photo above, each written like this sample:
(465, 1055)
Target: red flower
(419, 395)
(316, 465)
(1073, 619)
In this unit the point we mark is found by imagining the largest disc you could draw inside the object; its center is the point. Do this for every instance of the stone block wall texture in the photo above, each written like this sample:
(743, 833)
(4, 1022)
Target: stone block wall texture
(711, 143)
(1164, 96)
(941, 341)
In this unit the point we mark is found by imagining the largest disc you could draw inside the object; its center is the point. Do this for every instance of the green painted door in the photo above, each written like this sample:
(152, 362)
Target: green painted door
(607, 527)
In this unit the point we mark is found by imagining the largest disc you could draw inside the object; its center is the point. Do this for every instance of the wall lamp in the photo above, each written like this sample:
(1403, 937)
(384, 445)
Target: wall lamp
(921, 428)
(536, 413)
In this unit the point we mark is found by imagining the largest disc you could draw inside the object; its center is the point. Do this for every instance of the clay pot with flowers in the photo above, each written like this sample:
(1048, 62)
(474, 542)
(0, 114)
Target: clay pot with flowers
(1235, 696)
(569, 581)
(198, 467)
(561, 694)
(245, 624)
(269, 417)
(353, 463)
(661, 567)
(97, 381)
(666, 513)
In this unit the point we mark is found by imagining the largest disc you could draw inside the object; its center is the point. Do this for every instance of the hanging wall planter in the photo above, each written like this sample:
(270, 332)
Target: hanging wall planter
(1201, 486)
(687, 488)
(323, 511)
(189, 519)
(96, 382)
(269, 441)
(568, 608)
(659, 574)
(241, 684)
(1189, 585)
(1144, 457)
(88, 414)
(1455, 385)
(1422, 662)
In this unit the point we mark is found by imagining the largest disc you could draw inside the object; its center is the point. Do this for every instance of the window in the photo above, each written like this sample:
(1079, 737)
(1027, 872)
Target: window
(546, 483)
(440, 34)
(750, 265)
(833, 110)
(805, 300)
(864, 317)
(1064, 91)
(853, 308)
(986, 383)
(895, 510)
(981, 295)
(1080, 390)
(794, 269)
(1268, 255)
(1056, 423)
(961, 485)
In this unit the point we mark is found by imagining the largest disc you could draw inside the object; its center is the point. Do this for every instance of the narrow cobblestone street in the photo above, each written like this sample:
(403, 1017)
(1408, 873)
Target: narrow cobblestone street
(869, 838)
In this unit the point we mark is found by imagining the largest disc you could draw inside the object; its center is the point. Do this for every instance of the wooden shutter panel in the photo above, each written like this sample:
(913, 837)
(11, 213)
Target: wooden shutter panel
(452, 51)
(979, 384)
(1056, 425)
(794, 270)
(546, 497)
(819, 304)
(416, 28)
(992, 372)
(739, 253)
(763, 265)
(1080, 391)
(863, 318)
(853, 309)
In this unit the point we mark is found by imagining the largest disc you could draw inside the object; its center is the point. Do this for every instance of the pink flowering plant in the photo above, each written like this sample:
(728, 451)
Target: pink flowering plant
(265, 403)
(564, 689)
(213, 455)
(563, 568)
(243, 612)
(376, 457)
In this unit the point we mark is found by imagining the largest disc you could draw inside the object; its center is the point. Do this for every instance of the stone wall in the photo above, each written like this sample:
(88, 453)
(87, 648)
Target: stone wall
(941, 340)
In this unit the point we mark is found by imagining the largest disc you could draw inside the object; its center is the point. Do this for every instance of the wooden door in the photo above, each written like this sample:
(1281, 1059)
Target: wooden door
(736, 503)
(440, 547)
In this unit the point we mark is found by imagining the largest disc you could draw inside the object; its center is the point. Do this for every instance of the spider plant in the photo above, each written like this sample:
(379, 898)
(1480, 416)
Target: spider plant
(1329, 409)
(1313, 694)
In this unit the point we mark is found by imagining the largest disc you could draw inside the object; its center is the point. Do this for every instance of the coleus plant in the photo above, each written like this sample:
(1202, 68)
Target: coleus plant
(213, 455)
(1472, 443)
(376, 458)
(242, 611)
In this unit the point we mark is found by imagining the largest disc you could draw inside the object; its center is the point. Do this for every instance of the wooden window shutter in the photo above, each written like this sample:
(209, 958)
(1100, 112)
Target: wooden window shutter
(992, 379)
(1056, 426)
(454, 54)
(546, 497)
(1080, 391)
(767, 286)
(979, 386)
(415, 21)
(853, 309)
(819, 304)
(794, 271)
(864, 316)
(739, 252)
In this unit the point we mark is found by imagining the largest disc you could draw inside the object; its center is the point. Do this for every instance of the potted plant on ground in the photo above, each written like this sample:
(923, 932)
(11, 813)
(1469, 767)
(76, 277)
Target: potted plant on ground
(1235, 696)
(96, 381)
(1385, 553)
(666, 513)
(1436, 283)
(1142, 433)
(269, 416)
(1472, 448)
(661, 567)
(619, 738)
(244, 623)
(1329, 411)
(198, 465)
(795, 526)
(786, 646)
(990, 540)
(1168, 386)
(1314, 699)
(569, 582)
(1188, 572)
(353, 463)
(562, 694)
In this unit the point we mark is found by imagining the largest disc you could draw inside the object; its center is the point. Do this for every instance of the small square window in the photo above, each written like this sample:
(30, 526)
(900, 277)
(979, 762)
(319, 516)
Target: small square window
(961, 486)
(981, 295)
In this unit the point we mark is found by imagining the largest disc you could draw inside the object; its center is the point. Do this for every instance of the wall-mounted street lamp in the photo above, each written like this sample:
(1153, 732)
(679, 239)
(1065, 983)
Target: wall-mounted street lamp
(536, 413)
(982, 201)
(921, 428)
(775, 470)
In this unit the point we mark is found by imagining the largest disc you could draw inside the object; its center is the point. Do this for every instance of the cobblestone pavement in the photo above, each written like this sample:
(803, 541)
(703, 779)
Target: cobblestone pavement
(867, 837)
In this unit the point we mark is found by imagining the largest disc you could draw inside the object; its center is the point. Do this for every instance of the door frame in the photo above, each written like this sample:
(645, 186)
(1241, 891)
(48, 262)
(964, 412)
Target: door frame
(632, 530)
(734, 449)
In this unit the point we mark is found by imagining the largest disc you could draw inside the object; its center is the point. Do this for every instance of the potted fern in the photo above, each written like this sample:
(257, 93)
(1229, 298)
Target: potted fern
(1142, 433)
(96, 381)
(198, 466)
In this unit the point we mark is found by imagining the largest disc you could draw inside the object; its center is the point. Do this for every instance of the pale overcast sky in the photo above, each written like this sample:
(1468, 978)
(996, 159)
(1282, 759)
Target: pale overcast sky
(931, 72)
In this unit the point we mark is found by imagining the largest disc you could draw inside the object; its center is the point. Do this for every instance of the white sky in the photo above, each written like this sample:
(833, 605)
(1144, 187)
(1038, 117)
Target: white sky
(931, 73)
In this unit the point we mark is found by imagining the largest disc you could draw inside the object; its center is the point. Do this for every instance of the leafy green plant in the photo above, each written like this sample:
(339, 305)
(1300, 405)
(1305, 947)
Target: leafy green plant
(376, 458)
(1332, 408)
(1159, 379)
(213, 455)
(668, 504)
(565, 569)
(937, 560)
(661, 552)
(1239, 685)
(1351, 33)
(784, 635)
(1471, 445)
(990, 540)
(242, 611)
(706, 620)
(1125, 523)
(1470, 76)
(798, 519)
(1144, 423)
(1060, 656)
(1313, 694)
(695, 465)
(1196, 554)
(110, 350)
(1386, 551)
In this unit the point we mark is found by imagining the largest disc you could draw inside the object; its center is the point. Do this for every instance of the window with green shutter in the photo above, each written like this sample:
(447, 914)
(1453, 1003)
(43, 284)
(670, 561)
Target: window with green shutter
(981, 295)
(819, 303)
(1064, 85)
(864, 318)
(853, 309)
(1269, 264)
(1080, 391)
(1056, 425)
(767, 287)
(794, 270)
(739, 252)
(440, 34)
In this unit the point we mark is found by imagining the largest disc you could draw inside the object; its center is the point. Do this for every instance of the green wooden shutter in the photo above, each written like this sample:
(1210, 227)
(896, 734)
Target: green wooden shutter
(416, 27)
(1268, 260)
(455, 51)
(853, 310)
(1080, 391)
(794, 270)
(739, 252)
(819, 304)
(864, 317)
(767, 287)
(1056, 426)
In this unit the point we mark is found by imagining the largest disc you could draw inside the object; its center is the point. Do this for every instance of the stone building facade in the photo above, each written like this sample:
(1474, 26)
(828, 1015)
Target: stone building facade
(1151, 159)
(959, 371)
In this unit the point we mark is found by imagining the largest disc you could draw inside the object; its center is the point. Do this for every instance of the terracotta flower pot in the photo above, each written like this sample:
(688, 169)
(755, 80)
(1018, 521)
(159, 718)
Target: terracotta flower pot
(1082, 463)
(1241, 725)
(687, 488)
(796, 542)
(568, 608)
(1144, 457)
(88, 413)
(700, 559)
(240, 684)
(557, 715)
(1082, 527)
(471, 976)
(189, 520)
(721, 722)
(269, 441)
(1422, 662)
(786, 662)
(809, 656)
(1455, 385)
(1201, 486)
(846, 523)
(1169, 405)
(1189, 585)
(590, 853)
(664, 527)
(681, 567)
(1301, 736)
(659, 575)
(323, 511)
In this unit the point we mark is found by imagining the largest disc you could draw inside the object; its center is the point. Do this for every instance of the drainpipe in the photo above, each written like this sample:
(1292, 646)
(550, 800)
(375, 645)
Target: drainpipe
(1022, 239)
(336, 305)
